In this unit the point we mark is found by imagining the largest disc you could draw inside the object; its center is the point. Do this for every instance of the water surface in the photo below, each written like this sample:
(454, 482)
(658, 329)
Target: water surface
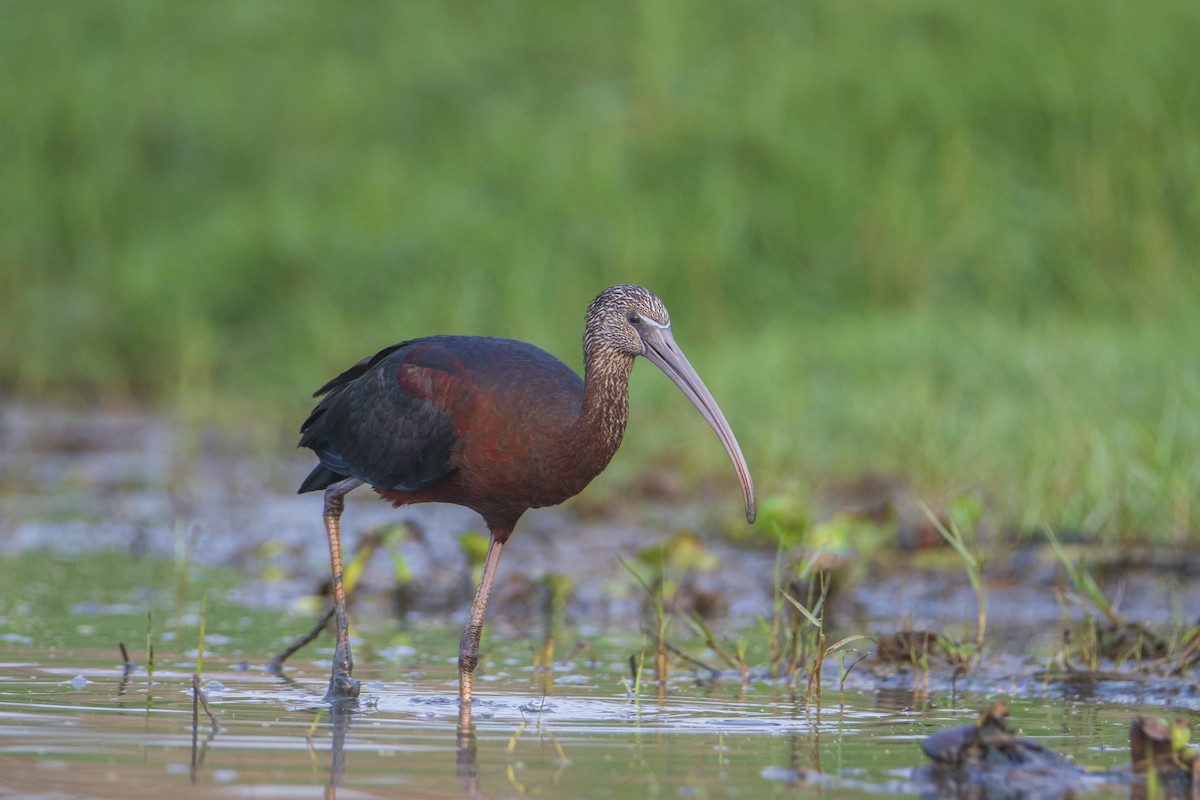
(72, 723)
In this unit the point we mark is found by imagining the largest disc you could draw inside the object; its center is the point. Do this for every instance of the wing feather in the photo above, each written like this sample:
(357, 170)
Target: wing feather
(370, 425)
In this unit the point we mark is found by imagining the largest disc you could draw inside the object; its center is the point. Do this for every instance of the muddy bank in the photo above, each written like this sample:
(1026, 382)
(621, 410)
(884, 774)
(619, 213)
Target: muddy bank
(80, 482)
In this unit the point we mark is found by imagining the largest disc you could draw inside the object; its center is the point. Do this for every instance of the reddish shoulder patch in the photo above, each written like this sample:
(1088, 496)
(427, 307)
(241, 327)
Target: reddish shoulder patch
(431, 371)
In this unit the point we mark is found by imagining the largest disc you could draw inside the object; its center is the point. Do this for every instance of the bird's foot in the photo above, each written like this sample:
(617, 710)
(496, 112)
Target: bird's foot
(466, 672)
(464, 689)
(342, 688)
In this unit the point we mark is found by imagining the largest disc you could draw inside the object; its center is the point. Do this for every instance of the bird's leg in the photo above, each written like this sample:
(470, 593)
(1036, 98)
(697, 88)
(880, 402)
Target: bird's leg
(341, 685)
(468, 651)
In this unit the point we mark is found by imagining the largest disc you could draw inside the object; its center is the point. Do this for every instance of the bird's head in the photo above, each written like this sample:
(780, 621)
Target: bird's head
(620, 316)
(627, 321)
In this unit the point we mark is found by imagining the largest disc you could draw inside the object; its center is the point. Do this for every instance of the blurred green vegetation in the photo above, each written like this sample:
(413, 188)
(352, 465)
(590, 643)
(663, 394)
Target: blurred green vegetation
(952, 241)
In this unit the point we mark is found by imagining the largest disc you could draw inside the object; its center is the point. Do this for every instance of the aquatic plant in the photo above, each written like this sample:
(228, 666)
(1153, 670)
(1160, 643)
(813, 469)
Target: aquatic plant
(661, 621)
(961, 535)
(1103, 636)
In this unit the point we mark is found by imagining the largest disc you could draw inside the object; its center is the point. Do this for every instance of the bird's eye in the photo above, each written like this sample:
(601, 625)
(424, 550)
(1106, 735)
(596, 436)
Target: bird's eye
(634, 318)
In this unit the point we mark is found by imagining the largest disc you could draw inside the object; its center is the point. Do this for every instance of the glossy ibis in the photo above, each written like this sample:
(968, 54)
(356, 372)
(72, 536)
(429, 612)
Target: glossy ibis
(496, 425)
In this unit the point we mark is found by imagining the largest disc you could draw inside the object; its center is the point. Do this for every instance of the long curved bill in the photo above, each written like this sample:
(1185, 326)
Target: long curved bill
(661, 350)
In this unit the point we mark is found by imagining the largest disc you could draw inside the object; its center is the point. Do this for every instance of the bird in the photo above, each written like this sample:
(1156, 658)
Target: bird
(496, 425)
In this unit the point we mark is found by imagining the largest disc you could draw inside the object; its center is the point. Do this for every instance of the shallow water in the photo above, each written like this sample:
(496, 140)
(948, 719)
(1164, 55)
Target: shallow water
(72, 724)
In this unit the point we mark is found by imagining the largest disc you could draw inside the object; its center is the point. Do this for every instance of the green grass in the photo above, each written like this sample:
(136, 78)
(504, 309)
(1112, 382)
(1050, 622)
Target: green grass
(950, 241)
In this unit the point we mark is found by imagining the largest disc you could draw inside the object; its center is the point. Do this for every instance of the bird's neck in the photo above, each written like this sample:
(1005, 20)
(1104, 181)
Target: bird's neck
(605, 409)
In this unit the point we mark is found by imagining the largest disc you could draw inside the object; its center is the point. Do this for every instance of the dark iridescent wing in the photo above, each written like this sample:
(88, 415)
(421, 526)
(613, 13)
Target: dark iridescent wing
(379, 422)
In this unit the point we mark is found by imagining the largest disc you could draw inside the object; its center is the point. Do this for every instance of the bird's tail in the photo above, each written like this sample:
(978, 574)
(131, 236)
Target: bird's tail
(320, 478)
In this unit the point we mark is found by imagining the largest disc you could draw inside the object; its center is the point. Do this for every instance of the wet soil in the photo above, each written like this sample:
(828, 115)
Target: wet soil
(78, 483)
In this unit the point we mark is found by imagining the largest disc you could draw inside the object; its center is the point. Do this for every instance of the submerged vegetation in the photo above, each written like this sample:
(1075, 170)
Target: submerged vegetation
(948, 243)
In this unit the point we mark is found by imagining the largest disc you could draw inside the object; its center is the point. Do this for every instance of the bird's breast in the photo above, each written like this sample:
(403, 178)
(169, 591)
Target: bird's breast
(523, 446)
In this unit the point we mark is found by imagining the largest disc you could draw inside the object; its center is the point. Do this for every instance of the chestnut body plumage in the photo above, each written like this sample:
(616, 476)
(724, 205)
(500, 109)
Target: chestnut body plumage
(495, 425)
